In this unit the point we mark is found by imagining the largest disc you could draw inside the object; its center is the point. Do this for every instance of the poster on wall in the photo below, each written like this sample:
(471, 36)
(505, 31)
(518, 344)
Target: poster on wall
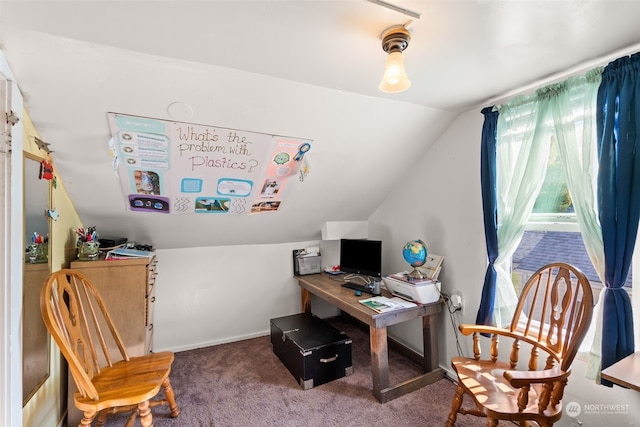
(184, 168)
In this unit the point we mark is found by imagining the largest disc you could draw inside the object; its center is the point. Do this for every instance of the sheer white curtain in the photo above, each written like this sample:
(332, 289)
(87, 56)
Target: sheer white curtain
(522, 151)
(573, 112)
(526, 125)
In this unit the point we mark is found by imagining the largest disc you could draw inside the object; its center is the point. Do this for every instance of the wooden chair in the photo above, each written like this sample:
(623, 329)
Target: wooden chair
(552, 316)
(108, 379)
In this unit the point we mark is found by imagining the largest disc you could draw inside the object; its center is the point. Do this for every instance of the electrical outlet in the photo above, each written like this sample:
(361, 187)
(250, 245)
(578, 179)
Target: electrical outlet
(456, 302)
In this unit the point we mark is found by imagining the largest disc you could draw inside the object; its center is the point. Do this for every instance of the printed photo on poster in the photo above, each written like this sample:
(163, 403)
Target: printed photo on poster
(266, 206)
(270, 188)
(212, 205)
(148, 203)
(147, 182)
(234, 187)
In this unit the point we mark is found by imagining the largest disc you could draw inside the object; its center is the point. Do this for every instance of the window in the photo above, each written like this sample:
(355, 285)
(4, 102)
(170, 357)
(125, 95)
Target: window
(553, 208)
(552, 232)
(520, 137)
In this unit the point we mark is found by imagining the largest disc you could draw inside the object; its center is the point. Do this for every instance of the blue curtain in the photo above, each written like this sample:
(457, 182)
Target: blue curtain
(490, 209)
(618, 122)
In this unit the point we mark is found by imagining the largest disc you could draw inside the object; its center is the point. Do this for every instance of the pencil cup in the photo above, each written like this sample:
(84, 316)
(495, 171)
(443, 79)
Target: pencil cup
(38, 253)
(88, 251)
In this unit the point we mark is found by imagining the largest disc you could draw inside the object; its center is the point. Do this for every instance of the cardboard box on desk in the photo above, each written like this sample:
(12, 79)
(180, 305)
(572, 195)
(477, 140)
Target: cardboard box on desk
(420, 291)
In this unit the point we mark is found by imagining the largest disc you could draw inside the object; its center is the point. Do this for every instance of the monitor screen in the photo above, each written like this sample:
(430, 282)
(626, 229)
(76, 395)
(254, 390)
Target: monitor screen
(361, 256)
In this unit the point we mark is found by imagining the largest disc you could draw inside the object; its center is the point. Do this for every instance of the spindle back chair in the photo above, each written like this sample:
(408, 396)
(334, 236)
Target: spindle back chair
(108, 380)
(552, 316)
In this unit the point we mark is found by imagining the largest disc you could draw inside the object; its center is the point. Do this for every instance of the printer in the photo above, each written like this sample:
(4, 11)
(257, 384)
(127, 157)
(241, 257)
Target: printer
(423, 291)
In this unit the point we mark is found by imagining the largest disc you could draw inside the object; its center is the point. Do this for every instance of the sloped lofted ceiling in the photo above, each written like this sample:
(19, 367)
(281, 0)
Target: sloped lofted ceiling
(307, 69)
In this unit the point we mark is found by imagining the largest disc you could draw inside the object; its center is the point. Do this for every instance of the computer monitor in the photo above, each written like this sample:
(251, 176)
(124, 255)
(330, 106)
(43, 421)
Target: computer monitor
(361, 256)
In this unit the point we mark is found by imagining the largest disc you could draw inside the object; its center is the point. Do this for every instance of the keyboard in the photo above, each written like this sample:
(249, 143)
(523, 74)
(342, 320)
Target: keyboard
(357, 287)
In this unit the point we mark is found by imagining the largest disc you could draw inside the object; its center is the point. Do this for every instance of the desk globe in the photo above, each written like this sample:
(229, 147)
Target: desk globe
(415, 253)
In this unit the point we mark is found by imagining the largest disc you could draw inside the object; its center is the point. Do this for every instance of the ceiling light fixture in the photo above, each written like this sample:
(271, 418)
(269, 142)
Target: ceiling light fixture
(394, 41)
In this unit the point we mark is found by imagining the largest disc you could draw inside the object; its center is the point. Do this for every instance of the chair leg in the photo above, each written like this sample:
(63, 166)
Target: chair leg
(146, 419)
(491, 422)
(102, 418)
(168, 393)
(455, 406)
(87, 418)
(132, 416)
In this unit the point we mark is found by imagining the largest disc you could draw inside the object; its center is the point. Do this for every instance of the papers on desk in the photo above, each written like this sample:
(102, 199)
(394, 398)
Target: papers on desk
(384, 304)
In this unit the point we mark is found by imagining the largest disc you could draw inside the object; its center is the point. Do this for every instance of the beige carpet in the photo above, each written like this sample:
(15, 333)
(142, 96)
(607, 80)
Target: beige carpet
(244, 384)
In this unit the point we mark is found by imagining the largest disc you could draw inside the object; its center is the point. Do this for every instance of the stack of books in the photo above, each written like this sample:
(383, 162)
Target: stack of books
(126, 253)
(431, 270)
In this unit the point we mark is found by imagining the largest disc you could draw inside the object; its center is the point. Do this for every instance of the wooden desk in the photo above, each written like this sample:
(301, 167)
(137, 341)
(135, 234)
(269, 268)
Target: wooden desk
(625, 372)
(332, 291)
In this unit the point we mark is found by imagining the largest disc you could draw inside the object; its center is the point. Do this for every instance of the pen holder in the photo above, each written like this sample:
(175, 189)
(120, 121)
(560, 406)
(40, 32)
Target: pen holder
(88, 251)
(38, 253)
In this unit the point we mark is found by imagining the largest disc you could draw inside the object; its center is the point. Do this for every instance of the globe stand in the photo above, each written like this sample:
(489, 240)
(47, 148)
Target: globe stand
(416, 274)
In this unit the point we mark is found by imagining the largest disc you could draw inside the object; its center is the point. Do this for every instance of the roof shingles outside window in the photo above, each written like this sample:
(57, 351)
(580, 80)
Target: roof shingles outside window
(539, 248)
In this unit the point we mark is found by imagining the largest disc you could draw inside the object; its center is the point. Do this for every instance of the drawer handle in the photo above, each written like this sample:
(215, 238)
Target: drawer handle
(153, 299)
(329, 360)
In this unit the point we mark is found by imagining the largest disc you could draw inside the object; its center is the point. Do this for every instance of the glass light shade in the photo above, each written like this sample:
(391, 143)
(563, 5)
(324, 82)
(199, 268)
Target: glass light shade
(395, 77)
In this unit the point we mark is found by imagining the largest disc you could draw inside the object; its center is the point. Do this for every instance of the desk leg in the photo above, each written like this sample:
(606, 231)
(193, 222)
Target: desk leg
(430, 343)
(305, 299)
(379, 361)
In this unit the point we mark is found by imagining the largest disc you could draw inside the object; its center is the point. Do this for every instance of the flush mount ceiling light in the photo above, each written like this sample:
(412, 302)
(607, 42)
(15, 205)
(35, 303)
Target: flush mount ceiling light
(394, 41)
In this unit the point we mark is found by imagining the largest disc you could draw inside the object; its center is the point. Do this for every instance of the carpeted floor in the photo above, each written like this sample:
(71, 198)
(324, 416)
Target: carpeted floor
(244, 384)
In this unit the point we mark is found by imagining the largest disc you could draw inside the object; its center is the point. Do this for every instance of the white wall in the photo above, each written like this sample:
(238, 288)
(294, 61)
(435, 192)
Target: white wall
(213, 295)
(440, 203)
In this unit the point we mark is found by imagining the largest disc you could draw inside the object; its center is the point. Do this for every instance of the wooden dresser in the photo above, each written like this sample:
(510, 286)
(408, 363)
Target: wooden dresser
(128, 290)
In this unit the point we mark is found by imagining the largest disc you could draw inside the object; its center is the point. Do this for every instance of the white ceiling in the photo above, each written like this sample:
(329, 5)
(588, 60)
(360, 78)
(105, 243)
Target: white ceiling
(307, 69)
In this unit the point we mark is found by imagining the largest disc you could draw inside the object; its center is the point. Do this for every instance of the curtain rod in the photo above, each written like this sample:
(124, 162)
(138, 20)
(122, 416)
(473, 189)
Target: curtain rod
(554, 78)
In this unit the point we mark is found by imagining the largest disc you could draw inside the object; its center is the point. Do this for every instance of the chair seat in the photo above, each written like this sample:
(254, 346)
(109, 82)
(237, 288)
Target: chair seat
(493, 393)
(128, 383)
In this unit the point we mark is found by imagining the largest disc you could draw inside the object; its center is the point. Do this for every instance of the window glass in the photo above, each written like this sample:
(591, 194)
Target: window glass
(554, 197)
(552, 232)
